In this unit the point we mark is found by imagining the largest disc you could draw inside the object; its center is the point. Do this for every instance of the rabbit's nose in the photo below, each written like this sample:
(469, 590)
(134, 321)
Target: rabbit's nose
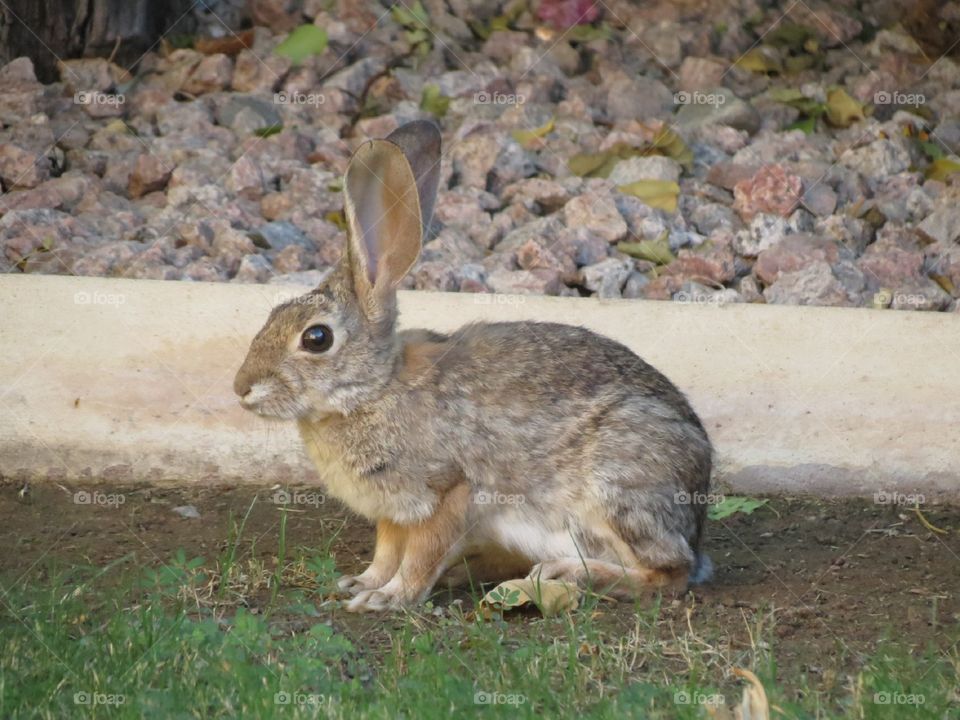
(241, 384)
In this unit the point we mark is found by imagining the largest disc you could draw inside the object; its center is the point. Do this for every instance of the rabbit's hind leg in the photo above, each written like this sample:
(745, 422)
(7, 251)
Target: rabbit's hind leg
(611, 579)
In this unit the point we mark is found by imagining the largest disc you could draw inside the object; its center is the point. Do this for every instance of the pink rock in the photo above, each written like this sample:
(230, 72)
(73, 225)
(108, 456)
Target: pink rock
(20, 168)
(565, 14)
(524, 282)
(697, 73)
(793, 253)
(771, 190)
(435, 275)
(597, 212)
(814, 284)
(252, 73)
(713, 266)
(211, 74)
(888, 266)
(533, 255)
(149, 174)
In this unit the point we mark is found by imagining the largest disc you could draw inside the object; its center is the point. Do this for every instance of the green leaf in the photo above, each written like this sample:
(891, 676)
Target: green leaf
(410, 16)
(433, 101)
(268, 130)
(931, 149)
(733, 504)
(303, 42)
(808, 125)
(661, 194)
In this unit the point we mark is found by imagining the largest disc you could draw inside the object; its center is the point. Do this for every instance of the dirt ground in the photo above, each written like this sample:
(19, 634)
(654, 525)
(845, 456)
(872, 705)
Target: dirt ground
(831, 579)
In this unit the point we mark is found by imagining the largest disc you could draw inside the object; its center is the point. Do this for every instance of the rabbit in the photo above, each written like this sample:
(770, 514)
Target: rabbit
(498, 449)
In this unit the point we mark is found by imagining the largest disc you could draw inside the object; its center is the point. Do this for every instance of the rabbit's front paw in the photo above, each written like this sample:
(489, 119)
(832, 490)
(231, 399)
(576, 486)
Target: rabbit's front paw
(355, 584)
(374, 601)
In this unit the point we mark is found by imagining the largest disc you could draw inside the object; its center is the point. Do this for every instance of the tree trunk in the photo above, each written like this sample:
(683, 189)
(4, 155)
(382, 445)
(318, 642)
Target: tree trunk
(47, 31)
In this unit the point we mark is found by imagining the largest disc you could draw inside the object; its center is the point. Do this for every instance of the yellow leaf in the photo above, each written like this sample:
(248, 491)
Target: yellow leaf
(673, 146)
(760, 60)
(942, 168)
(526, 137)
(842, 110)
(661, 194)
(551, 597)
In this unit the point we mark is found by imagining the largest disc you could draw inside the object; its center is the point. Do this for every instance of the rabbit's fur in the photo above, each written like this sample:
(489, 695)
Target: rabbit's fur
(490, 451)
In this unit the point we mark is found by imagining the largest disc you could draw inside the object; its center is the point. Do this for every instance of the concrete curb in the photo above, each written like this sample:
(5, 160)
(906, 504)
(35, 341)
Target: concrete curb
(130, 381)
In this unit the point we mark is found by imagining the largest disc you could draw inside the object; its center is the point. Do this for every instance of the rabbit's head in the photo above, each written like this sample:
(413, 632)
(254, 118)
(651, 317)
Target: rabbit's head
(335, 347)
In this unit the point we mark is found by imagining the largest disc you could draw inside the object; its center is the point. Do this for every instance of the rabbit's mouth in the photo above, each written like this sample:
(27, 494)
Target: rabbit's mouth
(263, 399)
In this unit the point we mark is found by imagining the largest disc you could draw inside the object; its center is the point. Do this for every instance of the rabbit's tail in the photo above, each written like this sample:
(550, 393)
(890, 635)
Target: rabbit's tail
(703, 570)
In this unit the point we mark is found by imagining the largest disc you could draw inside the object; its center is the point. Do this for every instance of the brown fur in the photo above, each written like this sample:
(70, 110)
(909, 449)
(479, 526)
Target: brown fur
(505, 444)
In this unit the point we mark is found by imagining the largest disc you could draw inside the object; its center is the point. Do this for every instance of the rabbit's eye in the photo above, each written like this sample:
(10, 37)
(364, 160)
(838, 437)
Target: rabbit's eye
(317, 338)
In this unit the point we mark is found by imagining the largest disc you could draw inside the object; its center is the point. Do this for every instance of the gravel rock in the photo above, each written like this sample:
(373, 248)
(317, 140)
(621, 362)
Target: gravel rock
(815, 284)
(720, 107)
(21, 168)
(793, 253)
(597, 212)
(229, 167)
(654, 167)
(148, 174)
(524, 282)
(770, 190)
(877, 160)
(607, 277)
(942, 225)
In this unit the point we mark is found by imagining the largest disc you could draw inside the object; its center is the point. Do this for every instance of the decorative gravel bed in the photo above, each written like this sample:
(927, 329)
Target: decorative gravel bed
(791, 153)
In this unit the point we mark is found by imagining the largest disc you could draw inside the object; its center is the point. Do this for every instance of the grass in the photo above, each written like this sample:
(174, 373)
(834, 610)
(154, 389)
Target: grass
(190, 639)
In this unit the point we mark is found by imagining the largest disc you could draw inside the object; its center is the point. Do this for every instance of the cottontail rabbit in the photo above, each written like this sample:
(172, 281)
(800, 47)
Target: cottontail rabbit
(512, 447)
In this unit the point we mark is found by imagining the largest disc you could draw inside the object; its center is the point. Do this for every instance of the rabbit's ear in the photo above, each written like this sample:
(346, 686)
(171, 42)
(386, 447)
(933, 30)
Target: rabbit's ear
(385, 211)
(420, 143)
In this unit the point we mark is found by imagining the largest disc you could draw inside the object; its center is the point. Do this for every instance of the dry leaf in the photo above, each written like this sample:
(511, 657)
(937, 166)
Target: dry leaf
(225, 45)
(942, 168)
(551, 597)
(760, 60)
(655, 251)
(527, 137)
(660, 194)
(842, 110)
